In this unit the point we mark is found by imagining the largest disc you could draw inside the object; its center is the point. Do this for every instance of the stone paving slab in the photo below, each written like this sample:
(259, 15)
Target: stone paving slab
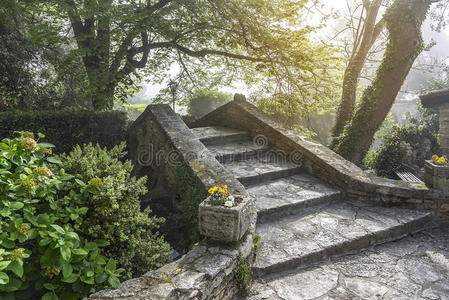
(261, 169)
(328, 230)
(237, 150)
(286, 195)
(412, 268)
(219, 135)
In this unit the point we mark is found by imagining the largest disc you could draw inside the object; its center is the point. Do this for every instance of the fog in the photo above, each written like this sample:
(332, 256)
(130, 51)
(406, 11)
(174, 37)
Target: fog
(429, 63)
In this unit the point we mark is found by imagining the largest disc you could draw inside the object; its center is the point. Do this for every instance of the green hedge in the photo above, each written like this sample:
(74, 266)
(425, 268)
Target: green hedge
(68, 127)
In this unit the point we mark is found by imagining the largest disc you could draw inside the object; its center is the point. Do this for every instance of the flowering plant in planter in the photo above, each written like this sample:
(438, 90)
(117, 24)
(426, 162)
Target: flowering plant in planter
(441, 161)
(219, 196)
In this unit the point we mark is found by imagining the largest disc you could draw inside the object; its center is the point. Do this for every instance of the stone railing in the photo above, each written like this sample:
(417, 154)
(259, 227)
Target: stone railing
(326, 164)
(159, 142)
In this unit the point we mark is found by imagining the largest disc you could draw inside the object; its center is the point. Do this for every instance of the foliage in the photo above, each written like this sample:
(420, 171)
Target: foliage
(441, 161)
(390, 157)
(203, 102)
(243, 276)
(403, 16)
(68, 127)
(43, 249)
(114, 213)
(115, 43)
(29, 62)
(256, 244)
(190, 193)
(289, 109)
(218, 195)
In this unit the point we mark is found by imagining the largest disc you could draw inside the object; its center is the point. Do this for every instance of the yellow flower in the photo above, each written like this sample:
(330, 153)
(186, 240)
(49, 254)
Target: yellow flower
(43, 171)
(96, 182)
(435, 157)
(16, 254)
(23, 228)
(29, 184)
(28, 143)
(52, 271)
(442, 160)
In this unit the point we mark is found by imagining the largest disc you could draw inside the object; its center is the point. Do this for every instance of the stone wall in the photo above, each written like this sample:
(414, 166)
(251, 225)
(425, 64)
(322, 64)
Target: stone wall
(159, 141)
(206, 272)
(444, 128)
(326, 164)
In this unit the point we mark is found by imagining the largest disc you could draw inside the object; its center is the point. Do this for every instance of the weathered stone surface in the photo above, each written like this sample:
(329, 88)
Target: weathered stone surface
(322, 162)
(297, 191)
(225, 224)
(311, 234)
(218, 135)
(197, 275)
(318, 232)
(436, 177)
(319, 281)
(257, 169)
(381, 272)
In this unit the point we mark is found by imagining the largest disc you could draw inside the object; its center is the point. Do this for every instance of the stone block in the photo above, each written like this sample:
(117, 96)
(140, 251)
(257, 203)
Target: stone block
(225, 224)
(436, 177)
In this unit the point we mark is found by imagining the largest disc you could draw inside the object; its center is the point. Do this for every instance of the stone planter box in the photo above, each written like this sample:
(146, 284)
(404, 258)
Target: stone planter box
(436, 177)
(225, 224)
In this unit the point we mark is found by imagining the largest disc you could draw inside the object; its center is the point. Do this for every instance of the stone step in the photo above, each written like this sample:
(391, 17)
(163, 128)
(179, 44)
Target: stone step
(261, 169)
(219, 135)
(238, 151)
(285, 196)
(329, 230)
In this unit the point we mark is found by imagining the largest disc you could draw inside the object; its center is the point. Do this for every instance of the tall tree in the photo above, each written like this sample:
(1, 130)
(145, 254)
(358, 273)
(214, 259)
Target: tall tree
(114, 39)
(366, 33)
(403, 20)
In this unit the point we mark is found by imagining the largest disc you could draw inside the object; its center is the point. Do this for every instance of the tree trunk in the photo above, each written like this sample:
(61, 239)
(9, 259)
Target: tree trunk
(403, 21)
(369, 33)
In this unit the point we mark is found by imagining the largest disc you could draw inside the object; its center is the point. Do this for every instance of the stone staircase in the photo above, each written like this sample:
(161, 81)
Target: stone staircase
(301, 219)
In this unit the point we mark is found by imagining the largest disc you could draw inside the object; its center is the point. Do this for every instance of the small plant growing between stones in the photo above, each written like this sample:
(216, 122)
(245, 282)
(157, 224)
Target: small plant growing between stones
(243, 276)
(256, 240)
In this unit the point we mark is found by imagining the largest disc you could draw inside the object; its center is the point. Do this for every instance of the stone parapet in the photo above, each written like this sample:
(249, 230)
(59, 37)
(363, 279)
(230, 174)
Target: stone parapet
(159, 139)
(159, 142)
(206, 272)
(324, 163)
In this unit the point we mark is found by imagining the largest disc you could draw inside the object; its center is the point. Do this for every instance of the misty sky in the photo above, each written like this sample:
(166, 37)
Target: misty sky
(414, 81)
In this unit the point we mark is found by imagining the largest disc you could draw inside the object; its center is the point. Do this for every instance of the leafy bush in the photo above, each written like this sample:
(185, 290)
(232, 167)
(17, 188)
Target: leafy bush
(68, 127)
(114, 213)
(43, 249)
(391, 155)
(203, 102)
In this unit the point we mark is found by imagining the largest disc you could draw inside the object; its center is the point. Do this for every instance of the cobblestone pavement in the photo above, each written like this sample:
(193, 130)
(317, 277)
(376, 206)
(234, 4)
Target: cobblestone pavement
(415, 267)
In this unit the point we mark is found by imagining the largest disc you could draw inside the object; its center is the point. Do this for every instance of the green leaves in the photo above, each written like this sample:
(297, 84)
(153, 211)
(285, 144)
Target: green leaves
(49, 296)
(54, 160)
(4, 278)
(42, 247)
(17, 267)
(113, 281)
(65, 252)
(4, 264)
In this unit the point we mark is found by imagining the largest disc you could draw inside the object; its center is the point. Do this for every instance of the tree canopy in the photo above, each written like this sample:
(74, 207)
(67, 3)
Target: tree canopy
(111, 44)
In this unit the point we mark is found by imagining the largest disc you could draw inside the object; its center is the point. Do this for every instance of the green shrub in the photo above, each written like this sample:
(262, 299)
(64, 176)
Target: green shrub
(203, 102)
(43, 249)
(390, 156)
(68, 127)
(114, 213)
